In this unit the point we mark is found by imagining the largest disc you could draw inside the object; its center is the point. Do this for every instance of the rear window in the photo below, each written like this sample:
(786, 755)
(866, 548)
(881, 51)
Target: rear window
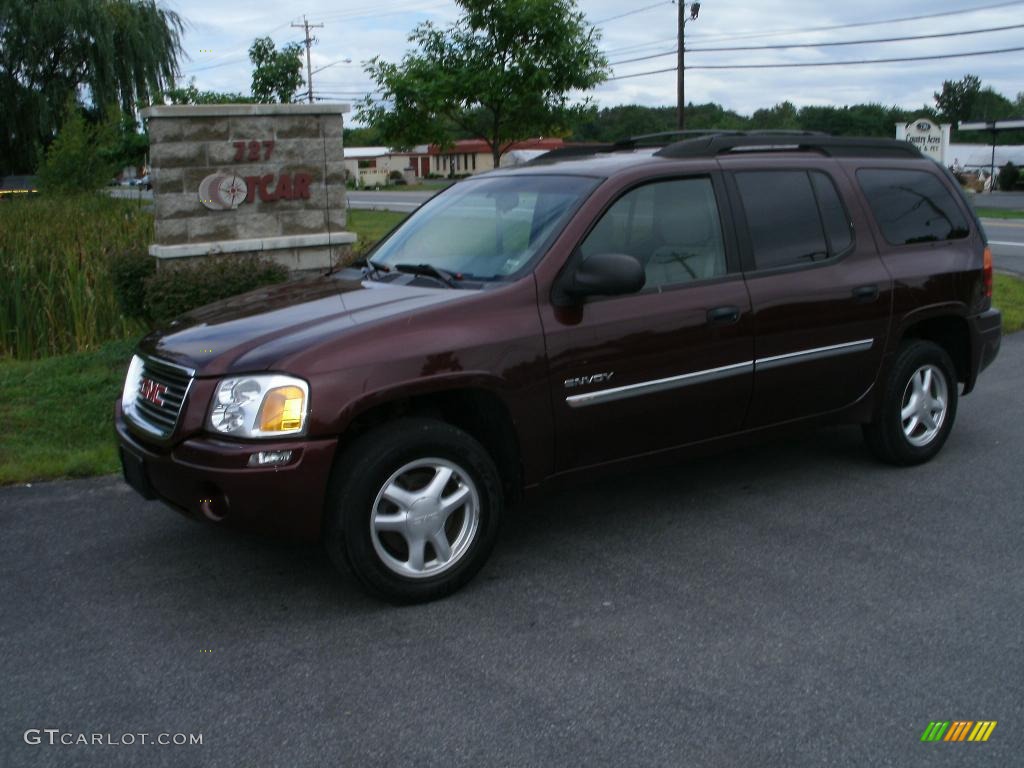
(912, 206)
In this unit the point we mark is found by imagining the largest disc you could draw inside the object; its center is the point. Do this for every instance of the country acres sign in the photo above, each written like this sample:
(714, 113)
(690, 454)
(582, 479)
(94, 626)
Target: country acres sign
(931, 138)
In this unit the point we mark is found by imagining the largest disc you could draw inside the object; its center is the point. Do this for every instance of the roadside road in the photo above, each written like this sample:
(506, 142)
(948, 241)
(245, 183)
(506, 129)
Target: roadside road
(1006, 238)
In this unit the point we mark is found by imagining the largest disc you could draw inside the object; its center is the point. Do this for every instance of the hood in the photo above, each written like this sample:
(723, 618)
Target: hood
(250, 332)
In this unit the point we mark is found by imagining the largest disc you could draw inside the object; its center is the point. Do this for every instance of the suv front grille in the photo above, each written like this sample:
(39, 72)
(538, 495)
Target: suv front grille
(160, 396)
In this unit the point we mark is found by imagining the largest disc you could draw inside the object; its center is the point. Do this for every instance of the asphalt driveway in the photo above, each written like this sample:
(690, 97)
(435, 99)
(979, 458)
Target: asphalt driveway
(791, 604)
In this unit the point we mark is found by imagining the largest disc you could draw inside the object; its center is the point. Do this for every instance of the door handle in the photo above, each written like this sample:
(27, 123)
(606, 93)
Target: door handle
(723, 315)
(865, 294)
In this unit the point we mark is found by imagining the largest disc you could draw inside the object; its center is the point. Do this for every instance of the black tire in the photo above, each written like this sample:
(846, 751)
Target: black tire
(358, 480)
(886, 436)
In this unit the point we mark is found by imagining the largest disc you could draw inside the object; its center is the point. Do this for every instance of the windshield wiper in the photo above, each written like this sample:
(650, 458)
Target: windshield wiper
(428, 270)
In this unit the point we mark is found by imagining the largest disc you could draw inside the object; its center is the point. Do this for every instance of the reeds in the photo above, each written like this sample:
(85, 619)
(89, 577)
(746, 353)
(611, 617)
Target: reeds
(56, 291)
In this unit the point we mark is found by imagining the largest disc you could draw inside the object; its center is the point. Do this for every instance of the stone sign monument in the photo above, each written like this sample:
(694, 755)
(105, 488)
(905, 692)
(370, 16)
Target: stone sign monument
(931, 138)
(266, 180)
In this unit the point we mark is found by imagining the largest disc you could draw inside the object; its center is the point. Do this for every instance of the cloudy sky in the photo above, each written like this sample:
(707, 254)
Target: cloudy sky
(219, 33)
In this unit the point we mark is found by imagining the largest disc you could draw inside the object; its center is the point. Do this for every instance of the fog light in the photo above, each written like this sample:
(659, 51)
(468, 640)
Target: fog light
(270, 458)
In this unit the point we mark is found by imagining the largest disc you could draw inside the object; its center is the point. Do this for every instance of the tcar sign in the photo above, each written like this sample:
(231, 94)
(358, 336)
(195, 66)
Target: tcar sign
(227, 191)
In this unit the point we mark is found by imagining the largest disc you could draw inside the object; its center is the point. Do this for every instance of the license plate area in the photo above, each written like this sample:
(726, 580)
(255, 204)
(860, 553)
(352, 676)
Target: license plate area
(134, 469)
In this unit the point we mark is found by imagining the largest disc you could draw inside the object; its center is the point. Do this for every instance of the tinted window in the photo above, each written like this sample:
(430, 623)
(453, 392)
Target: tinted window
(912, 206)
(833, 215)
(671, 227)
(782, 215)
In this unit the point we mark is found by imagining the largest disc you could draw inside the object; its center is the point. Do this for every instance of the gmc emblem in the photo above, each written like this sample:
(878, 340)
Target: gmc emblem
(152, 391)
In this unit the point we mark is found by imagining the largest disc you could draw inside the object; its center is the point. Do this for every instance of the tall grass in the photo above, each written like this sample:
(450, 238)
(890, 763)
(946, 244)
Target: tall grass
(56, 291)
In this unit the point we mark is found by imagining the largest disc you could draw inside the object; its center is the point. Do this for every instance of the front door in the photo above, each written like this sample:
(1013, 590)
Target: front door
(671, 364)
(821, 296)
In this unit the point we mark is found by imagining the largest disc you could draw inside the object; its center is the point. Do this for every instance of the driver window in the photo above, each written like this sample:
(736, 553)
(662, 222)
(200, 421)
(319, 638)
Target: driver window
(671, 227)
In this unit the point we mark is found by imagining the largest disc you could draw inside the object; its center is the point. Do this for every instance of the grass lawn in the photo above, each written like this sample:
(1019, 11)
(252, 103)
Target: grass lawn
(371, 226)
(1008, 297)
(998, 213)
(58, 414)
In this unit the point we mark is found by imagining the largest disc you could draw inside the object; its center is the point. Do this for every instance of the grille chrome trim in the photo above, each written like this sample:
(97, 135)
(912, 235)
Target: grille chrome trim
(161, 420)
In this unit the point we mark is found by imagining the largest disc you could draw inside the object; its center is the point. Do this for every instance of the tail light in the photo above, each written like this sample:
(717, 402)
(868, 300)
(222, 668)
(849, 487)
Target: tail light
(987, 274)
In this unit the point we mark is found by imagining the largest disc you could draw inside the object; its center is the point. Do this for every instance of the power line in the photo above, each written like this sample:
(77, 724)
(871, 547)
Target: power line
(799, 31)
(634, 12)
(822, 63)
(857, 42)
(821, 45)
(862, 61)
(775, 33)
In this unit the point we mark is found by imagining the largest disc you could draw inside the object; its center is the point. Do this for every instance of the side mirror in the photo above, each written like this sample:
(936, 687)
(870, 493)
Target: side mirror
(606, 274)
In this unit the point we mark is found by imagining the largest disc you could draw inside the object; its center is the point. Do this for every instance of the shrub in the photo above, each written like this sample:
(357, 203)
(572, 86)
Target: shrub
(128, 271)
(396, 176)
(171, 291)
(1009, 174)
(82, 158)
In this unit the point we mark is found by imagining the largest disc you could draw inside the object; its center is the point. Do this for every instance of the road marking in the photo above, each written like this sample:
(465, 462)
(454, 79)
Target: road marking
(1003, 222)
(1002, 242)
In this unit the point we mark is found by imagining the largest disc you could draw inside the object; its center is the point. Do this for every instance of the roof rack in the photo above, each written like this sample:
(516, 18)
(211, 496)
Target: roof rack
(660, 139)
(761, 141)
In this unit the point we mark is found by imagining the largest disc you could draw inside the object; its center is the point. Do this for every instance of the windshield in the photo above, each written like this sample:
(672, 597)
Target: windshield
(487, 228)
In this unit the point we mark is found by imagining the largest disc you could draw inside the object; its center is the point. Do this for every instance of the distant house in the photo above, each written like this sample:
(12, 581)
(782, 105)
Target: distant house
(373, 165)
(468, 156)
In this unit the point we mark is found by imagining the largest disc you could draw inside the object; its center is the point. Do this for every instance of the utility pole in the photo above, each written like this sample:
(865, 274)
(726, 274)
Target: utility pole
(309, 41)
(694, 9)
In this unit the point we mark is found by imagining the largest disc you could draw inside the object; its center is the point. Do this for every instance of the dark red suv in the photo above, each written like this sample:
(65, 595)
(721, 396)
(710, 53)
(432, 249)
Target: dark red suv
(532, 324)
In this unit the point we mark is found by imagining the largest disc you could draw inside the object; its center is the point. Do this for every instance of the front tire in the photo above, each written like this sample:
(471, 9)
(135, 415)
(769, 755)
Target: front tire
(413, 510)
(919, 401)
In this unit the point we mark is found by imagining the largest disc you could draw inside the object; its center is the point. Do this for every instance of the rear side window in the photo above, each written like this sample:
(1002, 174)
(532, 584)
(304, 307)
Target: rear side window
(794, 217)
(912, 206)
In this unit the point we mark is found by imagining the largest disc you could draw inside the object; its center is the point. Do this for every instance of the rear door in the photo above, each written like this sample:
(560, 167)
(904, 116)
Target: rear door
(821, 296)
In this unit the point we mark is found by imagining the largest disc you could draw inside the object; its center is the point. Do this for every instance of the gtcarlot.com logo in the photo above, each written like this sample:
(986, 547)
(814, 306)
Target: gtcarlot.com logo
(57, 737)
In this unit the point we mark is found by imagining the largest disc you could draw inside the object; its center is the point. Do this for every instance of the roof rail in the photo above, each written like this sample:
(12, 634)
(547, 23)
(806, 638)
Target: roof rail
(572, 150)
(761, 141)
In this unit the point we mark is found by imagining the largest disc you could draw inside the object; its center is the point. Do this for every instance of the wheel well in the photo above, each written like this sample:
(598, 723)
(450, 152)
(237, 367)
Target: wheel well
(475, 411)
(951, 334)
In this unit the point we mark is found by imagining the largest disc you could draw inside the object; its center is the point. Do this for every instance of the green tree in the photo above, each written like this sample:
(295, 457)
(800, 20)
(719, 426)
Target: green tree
(989, 105)
(110, 51)
(276, 75)
(955, 101)
(780, 117)
(502, 72)
(190, 94)
(83, 157)
(362, 137)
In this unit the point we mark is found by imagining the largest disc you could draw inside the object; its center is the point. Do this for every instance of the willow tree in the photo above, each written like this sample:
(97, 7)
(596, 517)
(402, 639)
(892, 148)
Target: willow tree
(110, 51)
(506, 70)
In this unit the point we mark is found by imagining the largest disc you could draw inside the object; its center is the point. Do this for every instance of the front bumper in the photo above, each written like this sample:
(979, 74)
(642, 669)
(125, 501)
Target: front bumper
(207, 478)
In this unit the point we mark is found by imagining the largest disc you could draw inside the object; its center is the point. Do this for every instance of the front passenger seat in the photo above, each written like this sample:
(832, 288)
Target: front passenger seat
(689, 248)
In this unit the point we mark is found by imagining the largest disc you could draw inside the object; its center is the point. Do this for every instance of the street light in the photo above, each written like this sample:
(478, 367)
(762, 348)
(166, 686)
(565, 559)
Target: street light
(325, 66)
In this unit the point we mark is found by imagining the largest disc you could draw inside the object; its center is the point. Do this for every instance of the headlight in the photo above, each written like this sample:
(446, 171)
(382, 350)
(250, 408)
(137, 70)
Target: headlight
(131, 384)
(271, 405)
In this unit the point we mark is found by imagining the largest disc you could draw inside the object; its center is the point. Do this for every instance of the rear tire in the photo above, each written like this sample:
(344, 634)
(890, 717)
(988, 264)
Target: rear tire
(920, 393)
(413, 509)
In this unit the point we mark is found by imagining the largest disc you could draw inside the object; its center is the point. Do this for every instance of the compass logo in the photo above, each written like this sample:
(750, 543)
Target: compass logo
(223, 191)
